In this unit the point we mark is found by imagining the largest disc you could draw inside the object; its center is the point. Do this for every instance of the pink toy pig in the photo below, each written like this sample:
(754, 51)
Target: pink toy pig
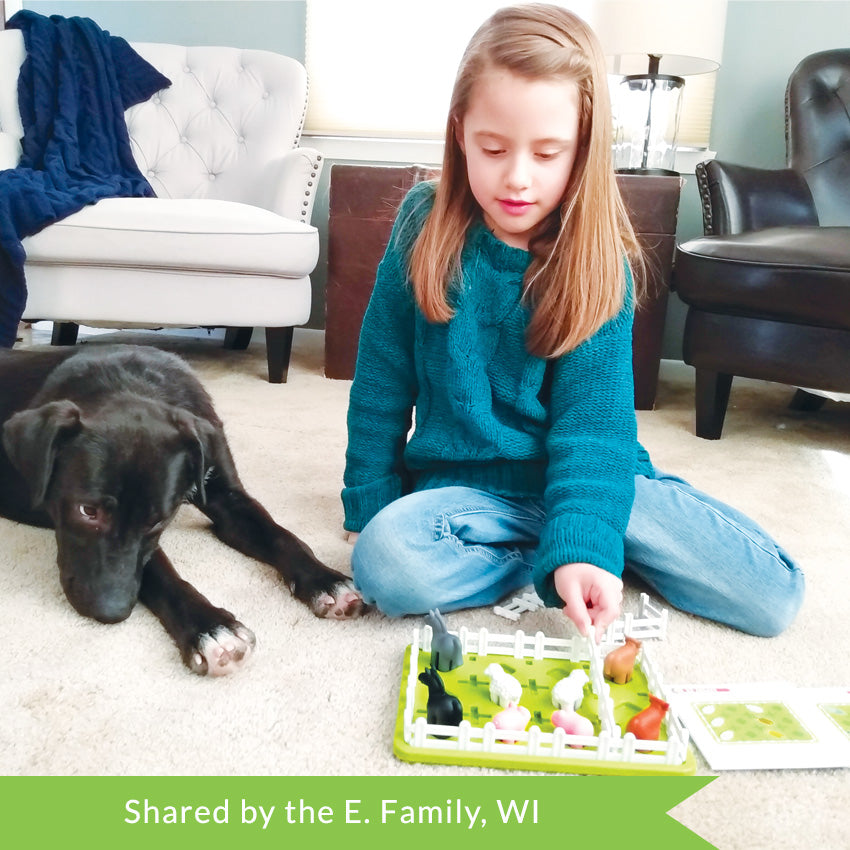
(514, 718)
(572, 723)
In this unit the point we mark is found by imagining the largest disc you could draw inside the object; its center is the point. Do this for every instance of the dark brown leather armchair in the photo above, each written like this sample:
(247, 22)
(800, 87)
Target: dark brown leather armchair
(768, 286)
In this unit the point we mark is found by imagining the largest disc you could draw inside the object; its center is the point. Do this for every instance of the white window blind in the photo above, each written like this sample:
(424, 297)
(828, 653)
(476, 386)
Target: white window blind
(697, 106)
(385, 68)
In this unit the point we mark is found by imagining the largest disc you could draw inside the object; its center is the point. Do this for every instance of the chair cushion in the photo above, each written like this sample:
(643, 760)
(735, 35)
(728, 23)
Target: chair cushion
(794, 274)
(183, 234)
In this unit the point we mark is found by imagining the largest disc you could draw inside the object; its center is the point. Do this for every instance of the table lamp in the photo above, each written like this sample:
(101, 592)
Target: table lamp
(653, 45)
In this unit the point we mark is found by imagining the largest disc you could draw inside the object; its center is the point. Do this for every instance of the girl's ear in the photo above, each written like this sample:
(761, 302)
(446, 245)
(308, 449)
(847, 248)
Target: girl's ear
(458, 131)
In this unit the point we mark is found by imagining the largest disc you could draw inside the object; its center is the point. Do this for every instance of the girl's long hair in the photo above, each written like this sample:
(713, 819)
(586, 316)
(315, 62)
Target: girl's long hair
(576, 280)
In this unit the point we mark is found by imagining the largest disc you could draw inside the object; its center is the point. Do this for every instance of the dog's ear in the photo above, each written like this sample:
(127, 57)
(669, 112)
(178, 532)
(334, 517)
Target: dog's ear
(32, 438)
(198, 434)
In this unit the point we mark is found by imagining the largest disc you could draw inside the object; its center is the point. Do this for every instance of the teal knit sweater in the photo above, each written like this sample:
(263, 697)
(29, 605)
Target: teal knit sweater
(488, 414)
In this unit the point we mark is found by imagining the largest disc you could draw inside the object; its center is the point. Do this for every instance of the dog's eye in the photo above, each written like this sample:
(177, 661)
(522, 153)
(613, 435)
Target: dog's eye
(88, 511)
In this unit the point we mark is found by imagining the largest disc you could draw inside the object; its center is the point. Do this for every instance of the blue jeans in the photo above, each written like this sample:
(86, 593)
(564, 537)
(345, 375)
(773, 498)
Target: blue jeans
(456, 547)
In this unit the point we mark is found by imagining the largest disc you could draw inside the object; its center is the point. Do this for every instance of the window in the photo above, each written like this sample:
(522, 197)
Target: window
(385, 68)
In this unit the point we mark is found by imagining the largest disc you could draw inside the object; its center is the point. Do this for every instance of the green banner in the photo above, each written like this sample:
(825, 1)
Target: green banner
(487, 812)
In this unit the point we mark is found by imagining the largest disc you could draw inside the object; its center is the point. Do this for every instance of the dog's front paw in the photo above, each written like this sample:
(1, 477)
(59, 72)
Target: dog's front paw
(342, 602)
(222, 650)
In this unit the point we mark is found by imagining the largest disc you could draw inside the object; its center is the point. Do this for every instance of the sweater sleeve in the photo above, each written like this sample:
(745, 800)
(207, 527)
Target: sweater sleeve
(384, 387)
(592, 445)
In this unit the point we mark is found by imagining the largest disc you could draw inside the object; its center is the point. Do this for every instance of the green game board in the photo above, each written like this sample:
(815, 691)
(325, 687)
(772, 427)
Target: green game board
(752, 722)
(537, 676)
(839, 714)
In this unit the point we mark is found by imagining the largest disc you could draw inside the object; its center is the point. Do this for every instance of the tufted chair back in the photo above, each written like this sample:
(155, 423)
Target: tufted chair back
(817, 129)
(226, 242)
(768, 286)
(219, 131)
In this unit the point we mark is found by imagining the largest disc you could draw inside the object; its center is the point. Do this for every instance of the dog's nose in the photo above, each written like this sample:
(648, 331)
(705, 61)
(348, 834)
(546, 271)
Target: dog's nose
(111, 613)
(103, 606)
(103, 610)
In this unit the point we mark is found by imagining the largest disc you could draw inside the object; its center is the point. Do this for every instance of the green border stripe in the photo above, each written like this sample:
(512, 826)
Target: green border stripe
(487, 812)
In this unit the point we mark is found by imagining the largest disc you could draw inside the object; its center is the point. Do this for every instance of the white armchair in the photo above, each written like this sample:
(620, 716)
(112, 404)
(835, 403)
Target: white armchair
(227, 242)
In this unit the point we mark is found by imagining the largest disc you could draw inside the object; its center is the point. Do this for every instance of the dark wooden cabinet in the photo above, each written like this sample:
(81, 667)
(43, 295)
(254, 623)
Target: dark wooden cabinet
(363, 204)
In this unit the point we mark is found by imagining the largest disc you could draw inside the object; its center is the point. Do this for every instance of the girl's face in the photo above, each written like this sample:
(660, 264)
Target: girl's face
(519, 137)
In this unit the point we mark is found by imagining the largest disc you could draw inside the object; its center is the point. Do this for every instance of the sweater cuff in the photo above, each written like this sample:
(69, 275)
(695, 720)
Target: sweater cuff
(363, 502)
(574, 539)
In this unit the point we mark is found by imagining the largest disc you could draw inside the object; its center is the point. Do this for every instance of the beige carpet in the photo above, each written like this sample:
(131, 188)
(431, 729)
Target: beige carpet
(82, 698)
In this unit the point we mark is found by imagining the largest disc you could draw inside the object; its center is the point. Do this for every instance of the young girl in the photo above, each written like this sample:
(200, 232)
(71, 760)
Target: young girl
(502, 316)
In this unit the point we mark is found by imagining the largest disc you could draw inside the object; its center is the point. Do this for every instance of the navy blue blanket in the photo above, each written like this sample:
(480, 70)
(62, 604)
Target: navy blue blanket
(74, 86)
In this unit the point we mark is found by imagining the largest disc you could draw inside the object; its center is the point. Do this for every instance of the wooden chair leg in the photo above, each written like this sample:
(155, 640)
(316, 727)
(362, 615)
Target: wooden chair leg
(64, 333)
(237, 339)
(711, 399)
(806, 402)
(278, 350)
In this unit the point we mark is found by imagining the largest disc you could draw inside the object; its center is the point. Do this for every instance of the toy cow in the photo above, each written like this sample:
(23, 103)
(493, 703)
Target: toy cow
(620, 662)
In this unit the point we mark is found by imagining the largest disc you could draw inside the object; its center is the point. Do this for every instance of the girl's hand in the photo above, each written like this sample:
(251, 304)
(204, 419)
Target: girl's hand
(592, 596)
(351, 536)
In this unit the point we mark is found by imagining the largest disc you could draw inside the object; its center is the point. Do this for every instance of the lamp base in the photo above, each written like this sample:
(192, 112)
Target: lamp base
(647, 122)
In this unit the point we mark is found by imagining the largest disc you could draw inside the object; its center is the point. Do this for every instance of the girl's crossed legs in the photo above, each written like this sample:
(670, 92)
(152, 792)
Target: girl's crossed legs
(455, 547)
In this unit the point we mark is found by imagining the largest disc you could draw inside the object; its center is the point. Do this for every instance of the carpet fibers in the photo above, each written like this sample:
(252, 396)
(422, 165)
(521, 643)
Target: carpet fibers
(319, 698)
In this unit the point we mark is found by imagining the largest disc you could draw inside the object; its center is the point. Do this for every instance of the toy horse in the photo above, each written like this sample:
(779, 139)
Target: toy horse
(620, 662)
(647, 723)
(442, 709)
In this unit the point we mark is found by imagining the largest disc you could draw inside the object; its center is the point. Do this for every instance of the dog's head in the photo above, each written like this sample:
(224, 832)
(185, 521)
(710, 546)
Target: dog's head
(111, 481)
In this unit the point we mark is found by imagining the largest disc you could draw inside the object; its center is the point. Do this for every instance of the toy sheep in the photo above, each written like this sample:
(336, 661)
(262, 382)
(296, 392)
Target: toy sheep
(569, 692)
(446, 651)
(504, 688)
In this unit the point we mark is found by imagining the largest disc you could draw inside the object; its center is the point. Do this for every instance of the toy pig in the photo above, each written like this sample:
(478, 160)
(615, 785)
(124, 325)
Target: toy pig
(572, 723)
(514, 718)
(620, 662)
(646, 725)
(446, 651)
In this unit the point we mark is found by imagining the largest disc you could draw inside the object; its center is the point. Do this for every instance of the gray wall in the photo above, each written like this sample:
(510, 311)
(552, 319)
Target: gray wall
(764, 43)
(277, 25)
(765, 39)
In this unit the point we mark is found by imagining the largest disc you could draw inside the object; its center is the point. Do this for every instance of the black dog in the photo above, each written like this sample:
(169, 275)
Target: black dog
(104, 445)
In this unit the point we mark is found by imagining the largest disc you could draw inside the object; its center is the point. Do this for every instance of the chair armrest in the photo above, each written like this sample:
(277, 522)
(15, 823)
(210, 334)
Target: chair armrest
(737, 198)
(290, 183)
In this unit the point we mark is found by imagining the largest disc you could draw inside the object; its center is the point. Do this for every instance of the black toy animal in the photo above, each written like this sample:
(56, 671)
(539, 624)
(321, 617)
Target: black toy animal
(442, 709)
